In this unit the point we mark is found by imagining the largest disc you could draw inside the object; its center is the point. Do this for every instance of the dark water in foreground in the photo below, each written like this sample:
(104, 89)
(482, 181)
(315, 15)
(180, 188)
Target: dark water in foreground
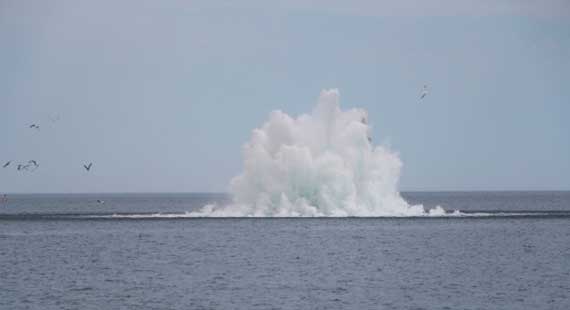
(54, 257)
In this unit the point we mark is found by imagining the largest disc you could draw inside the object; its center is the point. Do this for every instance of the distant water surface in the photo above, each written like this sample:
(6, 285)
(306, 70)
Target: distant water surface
(54, 257)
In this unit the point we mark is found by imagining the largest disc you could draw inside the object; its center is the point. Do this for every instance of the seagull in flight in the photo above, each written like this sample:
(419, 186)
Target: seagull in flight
(32, 162)
(7, 164)
(35, 126)
(424, 92)
(88, 167)
(26, 167)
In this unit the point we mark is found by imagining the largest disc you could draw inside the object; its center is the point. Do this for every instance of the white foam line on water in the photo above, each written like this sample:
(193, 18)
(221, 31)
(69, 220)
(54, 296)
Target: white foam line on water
(153, 215)
(455, 214)
(504, 214)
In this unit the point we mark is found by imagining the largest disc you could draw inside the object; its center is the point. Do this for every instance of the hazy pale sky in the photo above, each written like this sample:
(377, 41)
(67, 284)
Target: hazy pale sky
(160, 95)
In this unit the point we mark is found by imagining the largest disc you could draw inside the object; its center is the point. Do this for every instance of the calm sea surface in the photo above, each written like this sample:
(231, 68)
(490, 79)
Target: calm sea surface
(68, 252)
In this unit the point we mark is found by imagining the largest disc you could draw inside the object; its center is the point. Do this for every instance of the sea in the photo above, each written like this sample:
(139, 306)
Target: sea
(508, 250)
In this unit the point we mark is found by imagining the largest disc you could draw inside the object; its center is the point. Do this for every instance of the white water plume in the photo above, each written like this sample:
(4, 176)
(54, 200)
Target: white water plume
(322, 164)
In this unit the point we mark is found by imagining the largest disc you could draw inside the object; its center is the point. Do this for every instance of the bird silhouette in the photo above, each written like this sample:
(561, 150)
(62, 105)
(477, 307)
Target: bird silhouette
(424, 92)
(88, 167)
(7, 164)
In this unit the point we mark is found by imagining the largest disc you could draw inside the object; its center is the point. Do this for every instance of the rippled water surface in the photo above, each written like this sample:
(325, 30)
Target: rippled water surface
(53, 255)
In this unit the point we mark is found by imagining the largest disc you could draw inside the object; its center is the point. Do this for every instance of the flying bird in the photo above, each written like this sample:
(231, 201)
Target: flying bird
(88, 167)
(7, 164)
(32, 162)
(34, 126)
(26, 167)
(424, 92)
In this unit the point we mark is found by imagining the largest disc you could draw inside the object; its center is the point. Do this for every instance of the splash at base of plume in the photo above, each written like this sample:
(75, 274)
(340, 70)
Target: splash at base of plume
(322, 164)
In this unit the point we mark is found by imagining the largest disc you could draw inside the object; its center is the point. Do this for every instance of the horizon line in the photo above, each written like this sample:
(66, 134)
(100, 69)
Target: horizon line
(227, 193)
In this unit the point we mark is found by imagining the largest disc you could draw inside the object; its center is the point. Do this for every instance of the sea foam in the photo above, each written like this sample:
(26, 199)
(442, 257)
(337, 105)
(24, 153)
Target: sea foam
(319, 164)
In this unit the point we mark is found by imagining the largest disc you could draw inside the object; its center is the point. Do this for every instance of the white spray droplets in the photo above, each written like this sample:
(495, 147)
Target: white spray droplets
(321, 164)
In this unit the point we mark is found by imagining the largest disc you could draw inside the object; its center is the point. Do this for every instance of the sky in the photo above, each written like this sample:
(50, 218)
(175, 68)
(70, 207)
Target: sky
(161, 95)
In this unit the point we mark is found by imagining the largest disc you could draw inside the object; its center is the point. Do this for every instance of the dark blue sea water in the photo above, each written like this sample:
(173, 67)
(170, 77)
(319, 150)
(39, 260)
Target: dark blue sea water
(68, 252)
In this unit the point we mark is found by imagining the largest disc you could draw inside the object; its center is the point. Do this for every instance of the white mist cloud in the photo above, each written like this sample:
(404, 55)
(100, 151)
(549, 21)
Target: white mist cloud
(322, 164)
